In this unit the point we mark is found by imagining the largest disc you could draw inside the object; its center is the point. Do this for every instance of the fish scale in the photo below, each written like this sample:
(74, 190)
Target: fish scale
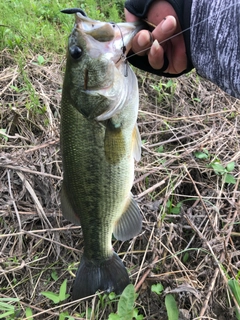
(99, 140)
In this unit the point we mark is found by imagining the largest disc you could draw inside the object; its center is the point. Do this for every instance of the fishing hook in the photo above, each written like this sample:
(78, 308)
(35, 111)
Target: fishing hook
(123, 55)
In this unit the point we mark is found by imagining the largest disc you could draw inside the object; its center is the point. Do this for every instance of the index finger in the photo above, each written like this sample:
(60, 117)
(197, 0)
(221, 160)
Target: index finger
(129, 16)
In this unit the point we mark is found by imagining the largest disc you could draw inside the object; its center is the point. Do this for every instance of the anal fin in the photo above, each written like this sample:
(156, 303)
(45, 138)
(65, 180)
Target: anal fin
(130, 223)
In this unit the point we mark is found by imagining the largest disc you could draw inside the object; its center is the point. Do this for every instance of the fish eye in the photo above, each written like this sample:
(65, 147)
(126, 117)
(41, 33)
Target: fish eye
(75, 52)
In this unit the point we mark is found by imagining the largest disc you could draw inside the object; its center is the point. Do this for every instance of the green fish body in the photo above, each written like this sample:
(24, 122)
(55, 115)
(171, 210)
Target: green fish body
(99, 141)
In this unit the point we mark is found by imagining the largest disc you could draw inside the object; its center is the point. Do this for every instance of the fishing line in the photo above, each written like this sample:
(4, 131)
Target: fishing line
(190, 28)
(123, 55)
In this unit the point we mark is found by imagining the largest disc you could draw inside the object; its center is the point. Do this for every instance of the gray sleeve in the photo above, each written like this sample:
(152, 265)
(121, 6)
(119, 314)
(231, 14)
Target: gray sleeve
(215, 42)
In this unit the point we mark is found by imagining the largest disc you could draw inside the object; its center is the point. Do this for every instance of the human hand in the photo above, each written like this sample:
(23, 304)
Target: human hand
(164, 17)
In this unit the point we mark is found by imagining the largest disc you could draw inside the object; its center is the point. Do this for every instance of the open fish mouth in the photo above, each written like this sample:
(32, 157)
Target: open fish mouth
(115, 38)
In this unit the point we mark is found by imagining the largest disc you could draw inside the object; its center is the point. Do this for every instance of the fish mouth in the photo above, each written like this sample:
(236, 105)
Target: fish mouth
(114, 39)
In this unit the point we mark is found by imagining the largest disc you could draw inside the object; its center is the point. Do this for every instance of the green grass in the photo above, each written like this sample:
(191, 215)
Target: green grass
(41, 27)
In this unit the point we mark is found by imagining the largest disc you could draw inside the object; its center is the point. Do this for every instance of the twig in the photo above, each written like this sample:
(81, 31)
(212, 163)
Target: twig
(218, 262)
(151, 189)
(13, 201)
(17, 168)
(145, 253)
(137, 287)
(198, 193)
(35, 199)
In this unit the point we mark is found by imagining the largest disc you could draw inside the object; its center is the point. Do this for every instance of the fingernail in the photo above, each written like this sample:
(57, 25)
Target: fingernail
(168, 24)
(155, 47)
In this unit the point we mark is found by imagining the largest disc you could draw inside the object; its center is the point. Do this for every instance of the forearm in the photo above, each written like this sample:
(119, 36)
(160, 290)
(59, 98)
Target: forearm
(214, 43)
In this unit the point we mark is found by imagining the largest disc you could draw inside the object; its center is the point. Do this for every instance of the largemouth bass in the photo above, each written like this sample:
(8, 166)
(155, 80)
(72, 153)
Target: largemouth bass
(99, 141)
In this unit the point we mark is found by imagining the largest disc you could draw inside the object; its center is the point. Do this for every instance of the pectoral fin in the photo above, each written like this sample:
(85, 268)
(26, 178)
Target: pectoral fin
(114, 145)
(136, 140)
(67, 209)
(130, 223)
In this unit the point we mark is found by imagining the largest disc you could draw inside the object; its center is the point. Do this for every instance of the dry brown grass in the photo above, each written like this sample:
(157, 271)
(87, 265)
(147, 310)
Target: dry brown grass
(192, 253)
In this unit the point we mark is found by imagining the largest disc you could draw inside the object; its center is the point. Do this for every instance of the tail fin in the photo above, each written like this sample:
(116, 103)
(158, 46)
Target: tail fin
(108, 275)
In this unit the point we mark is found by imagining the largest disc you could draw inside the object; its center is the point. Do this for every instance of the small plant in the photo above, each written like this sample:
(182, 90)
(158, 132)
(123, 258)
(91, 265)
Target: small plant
(65, 315)
(125, 308)
(40, 60)
(235, 288)
(170, 208)
(61, 296)
(171, 306)
(29, 313)
(157, 288)
(7, 309)
(164, 89)
(170, 302)
(219, 169)
(204, 154)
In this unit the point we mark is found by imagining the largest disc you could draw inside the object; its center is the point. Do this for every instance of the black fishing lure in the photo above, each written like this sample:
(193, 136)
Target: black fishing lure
(74, 10)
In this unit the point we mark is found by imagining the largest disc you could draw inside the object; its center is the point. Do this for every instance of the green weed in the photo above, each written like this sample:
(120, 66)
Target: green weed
(157, 288)
(50, 32)
(216, 165)
(57, 297)
(7, 308)
(170, 302)
(235, 288)
(125, 308)
(219, 169)
(164, 90)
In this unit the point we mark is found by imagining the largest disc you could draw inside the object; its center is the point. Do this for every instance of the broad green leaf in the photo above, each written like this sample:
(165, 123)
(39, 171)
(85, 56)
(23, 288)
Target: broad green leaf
(157, 288)
(112, 295)
(218, 168)
(40, 59)
(176, 210)
(171, 306)
(230, 166)
(200, 155)
(114, 316)
(29, 313)
(235, 288)
(126, 303)
(229, 178)
(64, 316)
(136, 315)
(52, 296)
(62, 292)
